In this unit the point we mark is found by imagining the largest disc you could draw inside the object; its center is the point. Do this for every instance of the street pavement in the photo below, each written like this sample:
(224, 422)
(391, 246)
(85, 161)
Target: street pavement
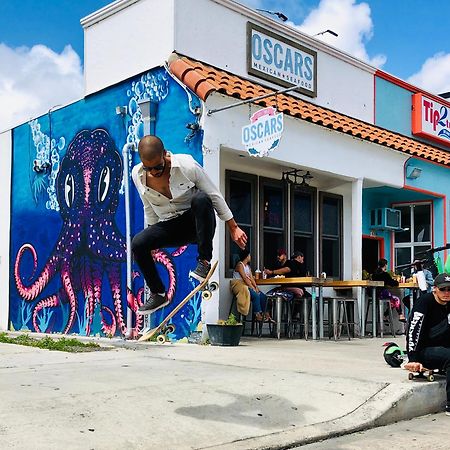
(262, 394)
(428, 432)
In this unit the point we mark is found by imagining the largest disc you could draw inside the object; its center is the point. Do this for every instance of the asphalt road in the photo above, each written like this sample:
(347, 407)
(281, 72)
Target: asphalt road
(428, 432)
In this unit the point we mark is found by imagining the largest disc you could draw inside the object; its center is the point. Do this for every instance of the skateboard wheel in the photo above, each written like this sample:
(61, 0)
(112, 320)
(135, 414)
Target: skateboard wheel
(161, 339)
(213, 286)
(410, 376)
(430, 377)
(206, 295)
(170, 329)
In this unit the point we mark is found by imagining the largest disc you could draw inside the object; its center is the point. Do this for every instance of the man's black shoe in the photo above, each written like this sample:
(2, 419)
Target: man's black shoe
(201, 271)
(154, 302)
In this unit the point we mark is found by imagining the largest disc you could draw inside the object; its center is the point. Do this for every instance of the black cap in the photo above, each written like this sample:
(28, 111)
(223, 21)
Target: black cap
(296, 254)
(442, 280)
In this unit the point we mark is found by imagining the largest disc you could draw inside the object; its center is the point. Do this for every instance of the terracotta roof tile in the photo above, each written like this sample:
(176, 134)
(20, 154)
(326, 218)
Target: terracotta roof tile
(203, 80)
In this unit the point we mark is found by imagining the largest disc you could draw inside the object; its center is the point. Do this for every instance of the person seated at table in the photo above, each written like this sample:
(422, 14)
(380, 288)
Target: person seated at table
(294, 267)
(243, 271)
(381, 274)
(428, 279)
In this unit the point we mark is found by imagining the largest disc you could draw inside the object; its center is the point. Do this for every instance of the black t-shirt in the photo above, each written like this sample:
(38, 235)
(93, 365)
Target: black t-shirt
(428, 327)
(381, 275)
(297, 269)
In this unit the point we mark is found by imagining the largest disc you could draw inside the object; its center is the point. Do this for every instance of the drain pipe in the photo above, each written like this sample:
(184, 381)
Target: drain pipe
(126, 182)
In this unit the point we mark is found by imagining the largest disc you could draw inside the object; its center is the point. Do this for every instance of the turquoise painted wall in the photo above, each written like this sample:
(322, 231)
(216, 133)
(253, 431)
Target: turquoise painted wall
(392, 107)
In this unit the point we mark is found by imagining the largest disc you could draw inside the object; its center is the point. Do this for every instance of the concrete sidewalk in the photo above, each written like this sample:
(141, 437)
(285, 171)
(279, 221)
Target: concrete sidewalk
(262, 394)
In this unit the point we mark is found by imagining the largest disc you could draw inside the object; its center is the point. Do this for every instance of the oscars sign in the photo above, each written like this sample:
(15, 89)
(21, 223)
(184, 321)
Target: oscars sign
(263, 134)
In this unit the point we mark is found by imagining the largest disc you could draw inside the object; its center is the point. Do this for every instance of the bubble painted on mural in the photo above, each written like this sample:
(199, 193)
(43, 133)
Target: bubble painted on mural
(151, 86)
(47, 156)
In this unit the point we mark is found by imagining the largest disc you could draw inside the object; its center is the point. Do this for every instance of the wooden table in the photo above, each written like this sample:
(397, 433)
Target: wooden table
(320, 283)
(312, 282)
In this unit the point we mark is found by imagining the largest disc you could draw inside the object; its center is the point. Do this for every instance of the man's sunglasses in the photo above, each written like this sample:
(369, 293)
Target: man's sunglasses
(157, 168)
(444, 289)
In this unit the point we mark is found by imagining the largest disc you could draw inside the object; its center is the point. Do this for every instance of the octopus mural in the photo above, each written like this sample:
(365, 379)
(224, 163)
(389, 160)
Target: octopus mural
(90, 247)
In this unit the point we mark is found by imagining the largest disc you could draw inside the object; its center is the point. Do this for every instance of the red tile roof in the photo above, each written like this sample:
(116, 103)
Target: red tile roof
(203, 80)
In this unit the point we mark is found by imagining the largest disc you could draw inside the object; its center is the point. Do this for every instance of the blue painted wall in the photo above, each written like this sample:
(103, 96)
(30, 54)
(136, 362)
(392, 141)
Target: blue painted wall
(392, 107)
(68, 221)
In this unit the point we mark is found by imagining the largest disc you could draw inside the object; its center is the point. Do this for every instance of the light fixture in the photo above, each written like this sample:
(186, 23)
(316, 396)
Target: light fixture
(148, 110)
(412, 173)
(296, 178)
(327, 31)
(280, 15)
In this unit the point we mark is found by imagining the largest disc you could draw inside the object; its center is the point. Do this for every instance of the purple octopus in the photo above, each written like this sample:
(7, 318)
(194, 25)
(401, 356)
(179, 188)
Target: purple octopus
(90, 243)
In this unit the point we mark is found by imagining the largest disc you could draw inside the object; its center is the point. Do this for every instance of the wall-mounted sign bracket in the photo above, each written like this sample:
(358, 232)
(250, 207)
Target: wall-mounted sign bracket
(252, 100)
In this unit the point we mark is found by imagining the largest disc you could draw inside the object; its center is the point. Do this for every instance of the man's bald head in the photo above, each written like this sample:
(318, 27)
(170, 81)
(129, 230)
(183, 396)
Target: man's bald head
(150, 148)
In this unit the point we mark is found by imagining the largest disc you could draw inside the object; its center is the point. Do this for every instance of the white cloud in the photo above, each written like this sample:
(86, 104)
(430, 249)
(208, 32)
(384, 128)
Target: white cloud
(32, 80)
(434, 75)
(351, 21)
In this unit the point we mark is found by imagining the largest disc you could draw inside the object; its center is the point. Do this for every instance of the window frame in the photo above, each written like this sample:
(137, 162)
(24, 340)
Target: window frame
(253, 180)
(411, 245)
(312, 191)
(322, 196)
(273, 182)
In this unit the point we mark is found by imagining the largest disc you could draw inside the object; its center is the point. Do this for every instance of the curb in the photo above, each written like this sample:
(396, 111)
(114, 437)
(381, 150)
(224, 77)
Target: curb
(392, 403)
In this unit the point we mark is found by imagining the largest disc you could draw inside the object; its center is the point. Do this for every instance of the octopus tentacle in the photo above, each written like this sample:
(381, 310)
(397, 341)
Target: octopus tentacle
(67, 283)
(163, 258)
(108, 329)
(179, 251)
(134, 302)
(49, 302)
(114, 280)
(30, 293)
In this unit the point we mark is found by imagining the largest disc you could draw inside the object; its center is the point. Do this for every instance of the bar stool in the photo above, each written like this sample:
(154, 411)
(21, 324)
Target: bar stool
(281, 309)
(340, 317)
(382, 304)
(249, 318)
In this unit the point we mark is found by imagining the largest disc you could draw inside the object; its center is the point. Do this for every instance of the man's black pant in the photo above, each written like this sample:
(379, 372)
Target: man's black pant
(437, 358)
(197, 225)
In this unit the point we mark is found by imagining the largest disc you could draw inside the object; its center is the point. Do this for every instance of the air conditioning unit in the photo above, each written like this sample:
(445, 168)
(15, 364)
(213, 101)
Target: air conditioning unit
(385, 219)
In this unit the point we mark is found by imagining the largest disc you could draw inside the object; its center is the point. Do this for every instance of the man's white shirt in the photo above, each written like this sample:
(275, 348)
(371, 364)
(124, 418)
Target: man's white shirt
(186, 177)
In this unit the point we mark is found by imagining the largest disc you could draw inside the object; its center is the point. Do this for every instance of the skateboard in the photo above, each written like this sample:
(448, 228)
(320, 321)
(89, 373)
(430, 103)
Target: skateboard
(429, 374)
(162, 330)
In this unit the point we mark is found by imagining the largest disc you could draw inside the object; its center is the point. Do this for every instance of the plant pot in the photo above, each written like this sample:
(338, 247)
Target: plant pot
(226, 335)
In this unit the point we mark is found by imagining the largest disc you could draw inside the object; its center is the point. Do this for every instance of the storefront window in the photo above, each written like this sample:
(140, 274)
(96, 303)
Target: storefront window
(303, 213)
(241, 197)
(331, 234)
(416, 235)
(273, 213)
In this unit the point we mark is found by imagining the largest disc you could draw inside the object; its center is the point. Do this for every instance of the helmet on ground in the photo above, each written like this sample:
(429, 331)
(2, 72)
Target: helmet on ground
(393, 354)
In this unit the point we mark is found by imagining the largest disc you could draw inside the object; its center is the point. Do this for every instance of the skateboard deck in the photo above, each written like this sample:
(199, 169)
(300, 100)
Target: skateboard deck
(429, 374)
(163, 329)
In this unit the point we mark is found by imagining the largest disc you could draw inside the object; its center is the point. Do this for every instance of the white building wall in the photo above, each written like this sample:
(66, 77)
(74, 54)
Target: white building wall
(5, 206)
(216, 34)
(335, 160)
(132, 36)
(311, 146)
(125, 39)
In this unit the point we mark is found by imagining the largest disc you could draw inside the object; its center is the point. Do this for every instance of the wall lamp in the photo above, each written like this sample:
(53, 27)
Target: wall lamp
(412, 173)
(296, 177)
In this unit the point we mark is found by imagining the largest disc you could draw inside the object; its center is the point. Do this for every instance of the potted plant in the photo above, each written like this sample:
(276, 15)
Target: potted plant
(225, 332)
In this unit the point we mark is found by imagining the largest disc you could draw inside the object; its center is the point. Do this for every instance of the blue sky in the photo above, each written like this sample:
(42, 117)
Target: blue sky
(41, 44)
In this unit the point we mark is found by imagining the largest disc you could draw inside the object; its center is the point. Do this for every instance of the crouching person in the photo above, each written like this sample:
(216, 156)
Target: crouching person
(428, 337)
